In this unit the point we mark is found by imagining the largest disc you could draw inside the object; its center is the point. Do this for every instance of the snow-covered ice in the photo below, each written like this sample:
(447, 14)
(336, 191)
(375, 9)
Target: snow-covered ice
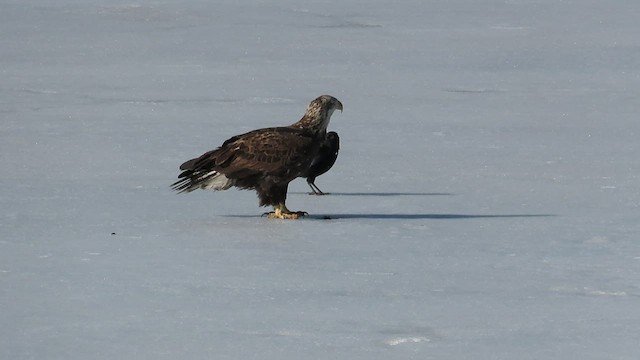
(485, 204)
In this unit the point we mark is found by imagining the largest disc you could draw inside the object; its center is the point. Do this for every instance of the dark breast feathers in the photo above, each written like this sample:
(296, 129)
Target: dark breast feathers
(323, 161)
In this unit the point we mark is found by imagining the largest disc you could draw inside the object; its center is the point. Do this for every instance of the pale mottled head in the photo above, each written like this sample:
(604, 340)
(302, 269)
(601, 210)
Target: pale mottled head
(319, 113)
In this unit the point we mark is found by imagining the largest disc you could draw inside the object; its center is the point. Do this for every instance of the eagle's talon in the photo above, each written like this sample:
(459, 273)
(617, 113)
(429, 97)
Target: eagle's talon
(285, 215)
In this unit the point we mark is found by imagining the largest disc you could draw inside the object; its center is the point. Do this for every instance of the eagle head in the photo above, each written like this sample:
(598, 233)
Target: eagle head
(318, 113)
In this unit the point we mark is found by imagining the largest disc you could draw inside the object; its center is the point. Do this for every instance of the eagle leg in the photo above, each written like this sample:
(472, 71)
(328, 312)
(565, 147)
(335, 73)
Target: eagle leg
(315, 189)
(281, 212)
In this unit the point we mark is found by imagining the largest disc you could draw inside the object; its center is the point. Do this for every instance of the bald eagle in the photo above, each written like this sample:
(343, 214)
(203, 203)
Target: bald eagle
(265, 160)
(323, 161)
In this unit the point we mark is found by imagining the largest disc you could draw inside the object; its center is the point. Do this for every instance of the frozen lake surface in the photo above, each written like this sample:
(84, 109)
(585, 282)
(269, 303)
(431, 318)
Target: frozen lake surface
(485, 204)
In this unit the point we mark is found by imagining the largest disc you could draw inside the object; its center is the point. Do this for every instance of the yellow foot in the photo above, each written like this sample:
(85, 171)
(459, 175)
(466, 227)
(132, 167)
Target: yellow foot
(279, 214)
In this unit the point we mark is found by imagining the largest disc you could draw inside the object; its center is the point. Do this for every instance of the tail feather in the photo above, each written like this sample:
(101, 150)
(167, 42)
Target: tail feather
(192, 180)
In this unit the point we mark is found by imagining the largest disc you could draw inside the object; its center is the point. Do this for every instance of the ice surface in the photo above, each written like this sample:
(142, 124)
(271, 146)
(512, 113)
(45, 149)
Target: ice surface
(485, 204)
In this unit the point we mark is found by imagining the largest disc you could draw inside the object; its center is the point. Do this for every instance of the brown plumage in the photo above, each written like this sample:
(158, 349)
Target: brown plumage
(265, 160)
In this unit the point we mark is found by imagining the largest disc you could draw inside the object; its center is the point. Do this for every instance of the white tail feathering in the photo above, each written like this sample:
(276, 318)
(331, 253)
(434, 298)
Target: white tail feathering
(214, 180)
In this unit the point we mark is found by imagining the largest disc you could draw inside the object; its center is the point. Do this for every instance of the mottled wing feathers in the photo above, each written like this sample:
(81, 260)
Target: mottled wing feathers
(277, 150)
(270, 150)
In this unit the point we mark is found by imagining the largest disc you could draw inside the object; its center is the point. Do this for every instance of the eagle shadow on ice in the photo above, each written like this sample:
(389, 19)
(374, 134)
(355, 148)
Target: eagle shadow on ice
(409, 216)
(387, 193)
(380, 216)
